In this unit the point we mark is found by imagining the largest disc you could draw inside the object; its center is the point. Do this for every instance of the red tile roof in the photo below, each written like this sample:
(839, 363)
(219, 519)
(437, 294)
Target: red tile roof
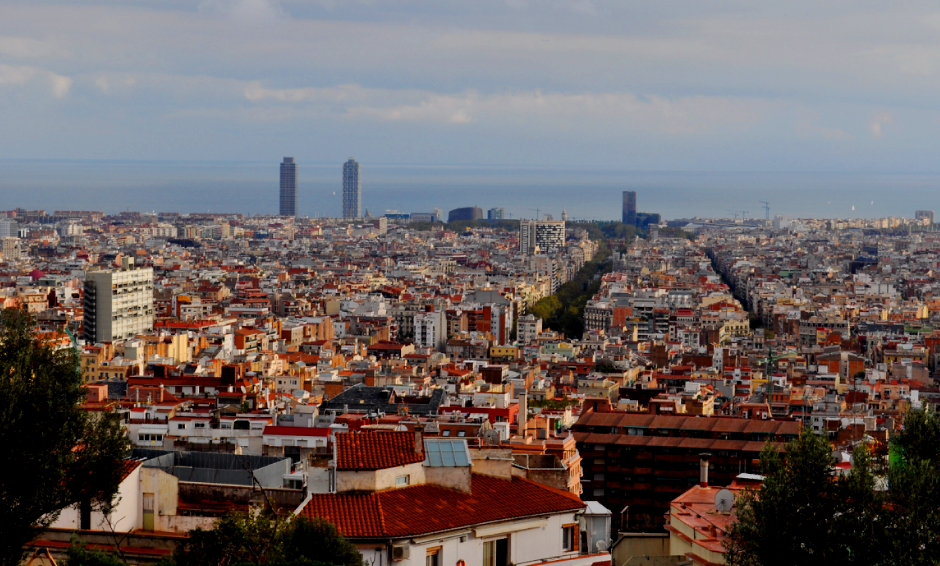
(375, 450)
(427, 509)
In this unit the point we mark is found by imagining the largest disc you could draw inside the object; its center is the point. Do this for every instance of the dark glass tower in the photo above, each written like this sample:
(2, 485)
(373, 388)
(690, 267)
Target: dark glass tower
(288, 187)
(352, 190)
(629, 207)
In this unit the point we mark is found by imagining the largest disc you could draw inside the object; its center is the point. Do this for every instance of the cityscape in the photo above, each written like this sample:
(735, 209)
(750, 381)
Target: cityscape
(578, 283)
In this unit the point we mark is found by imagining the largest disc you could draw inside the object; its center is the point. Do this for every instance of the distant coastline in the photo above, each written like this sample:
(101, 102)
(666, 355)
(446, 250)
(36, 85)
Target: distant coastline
(252, 188)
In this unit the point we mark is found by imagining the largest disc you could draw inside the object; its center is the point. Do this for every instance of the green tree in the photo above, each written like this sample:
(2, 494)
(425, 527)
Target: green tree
(262, 538)
(913, 516)
(78, 554)
(802, 514)
(63, 455)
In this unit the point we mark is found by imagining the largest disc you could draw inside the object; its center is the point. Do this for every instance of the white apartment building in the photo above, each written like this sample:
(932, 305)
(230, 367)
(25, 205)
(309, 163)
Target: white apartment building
(545, 236)
(431, 329)
(118, 304)
(10, 248)
(530, 326)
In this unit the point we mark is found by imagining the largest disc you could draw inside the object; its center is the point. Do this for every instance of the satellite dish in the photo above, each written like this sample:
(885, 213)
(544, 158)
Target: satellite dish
(601, 545)
(724, 500)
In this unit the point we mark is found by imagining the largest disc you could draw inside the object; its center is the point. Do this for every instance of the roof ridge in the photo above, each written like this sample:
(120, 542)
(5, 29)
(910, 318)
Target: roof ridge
(568, 494)
(380, 511)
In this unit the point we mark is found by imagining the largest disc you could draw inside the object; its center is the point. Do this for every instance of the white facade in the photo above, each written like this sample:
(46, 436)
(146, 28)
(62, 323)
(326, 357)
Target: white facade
(9, 228)
(10, 248)
(431, 330)
(546, 236)
(530, 326)
(118, 304)
(525, 541)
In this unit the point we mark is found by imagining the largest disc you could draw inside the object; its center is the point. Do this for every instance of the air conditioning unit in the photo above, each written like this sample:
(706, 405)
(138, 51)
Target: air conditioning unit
(401, 552)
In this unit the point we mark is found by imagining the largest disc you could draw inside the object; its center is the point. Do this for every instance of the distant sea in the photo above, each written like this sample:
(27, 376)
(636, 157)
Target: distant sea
(252, 188)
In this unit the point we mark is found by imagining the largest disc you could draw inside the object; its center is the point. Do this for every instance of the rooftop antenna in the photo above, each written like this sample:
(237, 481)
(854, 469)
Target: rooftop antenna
(724, 500)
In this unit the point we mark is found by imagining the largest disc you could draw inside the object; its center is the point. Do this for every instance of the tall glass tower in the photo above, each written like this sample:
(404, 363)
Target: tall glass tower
(288, 187)
(352, 190)
(629, 207)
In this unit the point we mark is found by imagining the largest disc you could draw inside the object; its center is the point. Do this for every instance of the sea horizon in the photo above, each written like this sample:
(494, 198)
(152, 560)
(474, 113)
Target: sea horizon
(588, 193)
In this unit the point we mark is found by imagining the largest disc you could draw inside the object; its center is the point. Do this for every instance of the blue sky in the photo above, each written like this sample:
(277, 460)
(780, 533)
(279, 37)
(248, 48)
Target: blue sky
(635, 85)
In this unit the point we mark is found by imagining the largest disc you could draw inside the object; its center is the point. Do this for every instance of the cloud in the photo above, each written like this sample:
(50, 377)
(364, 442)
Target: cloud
(809, 127)
(583, 7)
(878, 121)
(25, 75)
(246, 11)
(675, 116)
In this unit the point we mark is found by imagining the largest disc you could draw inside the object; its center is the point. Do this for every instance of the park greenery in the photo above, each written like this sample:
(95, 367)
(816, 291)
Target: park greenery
(564, 310)
(60, 454)
(879, 514)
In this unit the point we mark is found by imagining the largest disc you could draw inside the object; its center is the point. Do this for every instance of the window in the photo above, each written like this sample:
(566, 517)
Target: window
(433, 556)
(402, 481)
(445, 433)
(200, 425)
(570, 536)
(180, 426)
(496, 552)
(461, 433)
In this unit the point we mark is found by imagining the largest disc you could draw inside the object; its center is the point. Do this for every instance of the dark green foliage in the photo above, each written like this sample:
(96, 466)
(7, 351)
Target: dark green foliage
(261, 538)
(317, 541)
(79, 555)
(564, 311)
(604, 230)
(913, 515)
(803, 515)
(60, 454)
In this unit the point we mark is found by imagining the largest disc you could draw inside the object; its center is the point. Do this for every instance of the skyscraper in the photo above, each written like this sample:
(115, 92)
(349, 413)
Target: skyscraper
(288, 187)
(629, 207)
(352, 190)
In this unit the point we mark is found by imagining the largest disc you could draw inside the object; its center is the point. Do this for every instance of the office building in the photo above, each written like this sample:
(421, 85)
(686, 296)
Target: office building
(288, 187)
(352, 190)
(541, 236)
(629, 207)
(118, 304)
(495, 214)
(9, 228)
(465, 213)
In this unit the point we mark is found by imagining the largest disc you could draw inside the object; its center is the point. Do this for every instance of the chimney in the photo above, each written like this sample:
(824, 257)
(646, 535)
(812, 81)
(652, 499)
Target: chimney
(419, 438)
(523, 413)
(703, 470)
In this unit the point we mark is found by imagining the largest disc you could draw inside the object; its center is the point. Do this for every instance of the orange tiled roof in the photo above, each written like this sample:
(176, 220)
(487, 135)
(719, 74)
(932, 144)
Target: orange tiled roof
(428, 509)
(375, 450)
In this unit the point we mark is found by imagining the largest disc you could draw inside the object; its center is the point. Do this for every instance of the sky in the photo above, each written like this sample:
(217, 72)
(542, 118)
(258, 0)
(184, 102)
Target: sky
(831, 86)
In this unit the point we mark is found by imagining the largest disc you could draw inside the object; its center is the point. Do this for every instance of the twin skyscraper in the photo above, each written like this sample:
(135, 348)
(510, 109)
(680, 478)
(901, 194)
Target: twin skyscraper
(352, 188)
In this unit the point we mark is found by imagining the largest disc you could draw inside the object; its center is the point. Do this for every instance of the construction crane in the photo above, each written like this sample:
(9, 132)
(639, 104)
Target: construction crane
(766, 209)
(744, 213)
